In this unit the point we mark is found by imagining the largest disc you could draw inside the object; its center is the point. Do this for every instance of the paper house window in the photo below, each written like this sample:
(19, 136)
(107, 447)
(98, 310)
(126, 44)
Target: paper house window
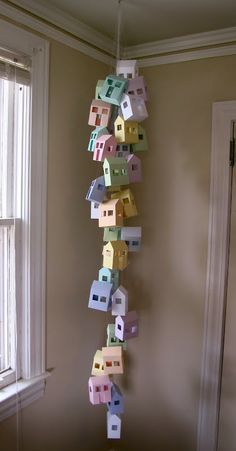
(113, 359)
(115, 255)
(98, 366)
(113, 89)
(120, 302)
(97, 190)
(100, 296)
(133, 108)
(132, 237)
(134, 168)
(104, 146)
(126, 327)
(115, 171)
(100, 113)
(127, 68)
(99, 389)
(128, 202)
(111, 214)
(126, 132)
(137, 87)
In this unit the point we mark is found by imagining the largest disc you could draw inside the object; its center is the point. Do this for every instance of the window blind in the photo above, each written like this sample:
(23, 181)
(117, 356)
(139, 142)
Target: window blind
(14, 67)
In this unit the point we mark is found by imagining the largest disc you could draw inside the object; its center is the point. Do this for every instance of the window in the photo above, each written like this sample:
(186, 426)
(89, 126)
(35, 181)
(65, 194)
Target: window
(23, 156)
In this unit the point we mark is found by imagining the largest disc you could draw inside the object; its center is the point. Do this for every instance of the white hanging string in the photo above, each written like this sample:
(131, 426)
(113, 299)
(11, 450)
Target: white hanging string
(118, 30)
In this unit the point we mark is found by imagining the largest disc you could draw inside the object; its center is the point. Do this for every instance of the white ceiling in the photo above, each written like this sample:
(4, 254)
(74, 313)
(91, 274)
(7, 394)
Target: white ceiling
(148, 20)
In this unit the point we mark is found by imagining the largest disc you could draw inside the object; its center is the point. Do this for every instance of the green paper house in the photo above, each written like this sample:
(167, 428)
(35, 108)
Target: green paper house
(113, 89)
(112, 340)
(115, 171)
(99, 85)
(111, 233)
(142, 144)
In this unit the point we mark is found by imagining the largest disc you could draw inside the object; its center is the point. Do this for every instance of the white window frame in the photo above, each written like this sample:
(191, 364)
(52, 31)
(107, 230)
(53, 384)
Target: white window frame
(33, 259)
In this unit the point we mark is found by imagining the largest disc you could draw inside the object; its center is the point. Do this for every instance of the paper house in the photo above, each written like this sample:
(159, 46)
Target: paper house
(94, 212)
(126, 132)
(126, 326)
(133, 108)
(119, 302)
(115, 255)
(111, 233)
(105, 146)
(116, 405)
(100, 113)
(99, 389)
(98, 89)
(113, 426)
(134, 168)
(98, 366)
(99, 131)
(113, 360)
(97, 190)
(112, 89)
(112, 340)
(100, 296)
(128, 202)
(110, 276)
(122, 150)
(113, 117)
(127, 68)
(132, 237)
(137, 87)
(115, 171)
(142, 145)
(111, 213)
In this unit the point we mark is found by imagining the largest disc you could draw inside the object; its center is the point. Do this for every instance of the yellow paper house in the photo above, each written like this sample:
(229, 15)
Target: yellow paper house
(111, 213)
(126, 131)
(115, 255)
(98, 366)
(128, 202)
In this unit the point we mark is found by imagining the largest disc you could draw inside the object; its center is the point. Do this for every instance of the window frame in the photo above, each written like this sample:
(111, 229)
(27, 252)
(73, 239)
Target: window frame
(31, 317)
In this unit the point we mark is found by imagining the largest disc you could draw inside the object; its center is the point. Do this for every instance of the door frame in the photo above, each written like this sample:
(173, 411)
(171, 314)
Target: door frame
(223, 114)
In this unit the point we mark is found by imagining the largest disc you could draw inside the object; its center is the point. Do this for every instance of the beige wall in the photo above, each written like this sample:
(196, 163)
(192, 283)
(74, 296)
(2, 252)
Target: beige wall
(166, 281)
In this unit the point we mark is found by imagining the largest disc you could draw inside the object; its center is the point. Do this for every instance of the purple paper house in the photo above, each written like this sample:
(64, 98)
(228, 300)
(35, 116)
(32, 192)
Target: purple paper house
(137, 87)
(100, 296)
(116, 405)
(99, 389)
(134, 168)
(126, 326)
(119, 302)
(97, 190)
(100, 113)
(113, 426)
(105, 147)
(133, 108)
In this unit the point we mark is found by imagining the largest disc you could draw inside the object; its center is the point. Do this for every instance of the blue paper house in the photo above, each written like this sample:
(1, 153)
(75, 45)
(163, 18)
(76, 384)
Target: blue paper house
(110, 276)
(97, 190)
(100, 296)
(116, 405)
(113, 426)
(99, 131)
(132, 237)
(113, 89)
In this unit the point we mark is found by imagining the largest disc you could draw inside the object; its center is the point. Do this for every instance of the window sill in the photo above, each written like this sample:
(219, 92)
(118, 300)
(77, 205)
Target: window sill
(21, 394)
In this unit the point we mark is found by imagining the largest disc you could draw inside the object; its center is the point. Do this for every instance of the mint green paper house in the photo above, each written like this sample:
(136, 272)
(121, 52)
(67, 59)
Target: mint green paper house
(112, 340)
(115, 171)
(113, 89)
(96, 133)
(99, 86)
(142, 145)
(110, 276)
(111, 233)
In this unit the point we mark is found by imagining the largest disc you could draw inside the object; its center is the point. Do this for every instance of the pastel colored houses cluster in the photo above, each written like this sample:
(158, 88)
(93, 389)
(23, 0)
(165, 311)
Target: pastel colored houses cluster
(116, 113)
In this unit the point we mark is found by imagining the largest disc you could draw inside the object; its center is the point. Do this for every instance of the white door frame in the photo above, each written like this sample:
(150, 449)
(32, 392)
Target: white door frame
(215, 303)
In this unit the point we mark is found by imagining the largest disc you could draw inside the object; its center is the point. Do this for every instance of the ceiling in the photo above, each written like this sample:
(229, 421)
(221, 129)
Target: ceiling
(144, 21)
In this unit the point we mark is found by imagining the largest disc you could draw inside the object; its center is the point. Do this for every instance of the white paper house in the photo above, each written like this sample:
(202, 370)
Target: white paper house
(127, 68)
(94, 210)
(119, 302)
(133, 108)
(113, 426)
(132, 237)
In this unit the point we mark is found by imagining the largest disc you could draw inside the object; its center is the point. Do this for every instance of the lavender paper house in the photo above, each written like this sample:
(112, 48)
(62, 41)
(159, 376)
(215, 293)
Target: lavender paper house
(134, 168)
(137, 87)
(100, 113)
(113, 426)
(99, 389)
(113, 360)
(105, 147)
(132, 237)
(97, 190)
(133, 108)
(100, 296)
(119, 304)
(126, 327)
(116, 405)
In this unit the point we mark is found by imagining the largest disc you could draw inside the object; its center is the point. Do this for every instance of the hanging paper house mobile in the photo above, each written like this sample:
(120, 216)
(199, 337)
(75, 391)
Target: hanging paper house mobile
(116, 113)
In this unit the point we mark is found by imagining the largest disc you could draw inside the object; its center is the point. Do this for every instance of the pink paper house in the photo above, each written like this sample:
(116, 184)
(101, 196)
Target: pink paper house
(100, 113)
(113, 360)
(99, 389)
(126, 326)
(111, 214)
(137, 87)
(105, 147)
(134, 168)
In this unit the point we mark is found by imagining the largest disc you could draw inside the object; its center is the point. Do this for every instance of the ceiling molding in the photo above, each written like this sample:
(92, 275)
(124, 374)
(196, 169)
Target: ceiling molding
(53, 23)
